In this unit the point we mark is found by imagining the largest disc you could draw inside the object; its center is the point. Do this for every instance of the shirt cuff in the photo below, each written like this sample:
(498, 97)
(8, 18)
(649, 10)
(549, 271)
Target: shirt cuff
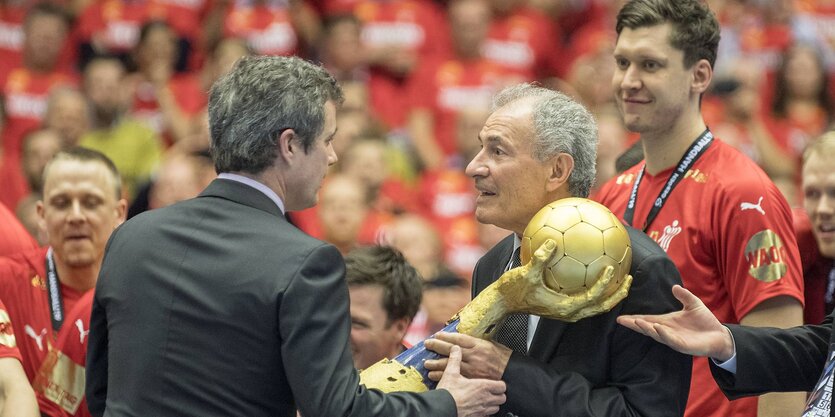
(730, 364)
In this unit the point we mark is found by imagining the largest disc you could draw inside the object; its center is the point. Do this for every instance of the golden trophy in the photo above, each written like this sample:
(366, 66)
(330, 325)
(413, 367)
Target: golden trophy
(576, 257)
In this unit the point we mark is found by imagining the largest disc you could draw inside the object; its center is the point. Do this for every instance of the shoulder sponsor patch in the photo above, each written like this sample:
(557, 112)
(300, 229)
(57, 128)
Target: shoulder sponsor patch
(766, 256)
(6, 334)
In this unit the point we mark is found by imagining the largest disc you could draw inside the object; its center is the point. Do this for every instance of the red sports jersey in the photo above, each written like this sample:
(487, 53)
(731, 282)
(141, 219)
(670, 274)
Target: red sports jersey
(23, 290)
(13, 237)
(763, 45)
(528, 43)
(448, 199)
(266, 27)
(8, 342)
(448, 87)
(729, 231)
(114, 24)
(24, 103)
(410, 25)
(461, 245)
(11, 38)
(25, 95)
(369, 233)
(60, 382)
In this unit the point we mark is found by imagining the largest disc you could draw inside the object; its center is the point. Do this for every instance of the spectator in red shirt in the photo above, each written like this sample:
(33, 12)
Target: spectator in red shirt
(525, 41)
(342, 50)
(67, 114)
(163, 99)
(39, 147)
(444, 88)
(113, 27)
(26, 88)
(398, 35)
(270, 27)
(803, 106)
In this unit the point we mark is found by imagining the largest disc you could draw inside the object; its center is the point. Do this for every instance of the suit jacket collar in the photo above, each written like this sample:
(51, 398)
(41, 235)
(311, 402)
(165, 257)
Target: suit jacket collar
(242, 194)
(548, 332)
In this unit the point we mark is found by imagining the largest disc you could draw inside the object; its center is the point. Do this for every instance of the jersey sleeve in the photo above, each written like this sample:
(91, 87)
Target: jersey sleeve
(8, 343)
(755, 244)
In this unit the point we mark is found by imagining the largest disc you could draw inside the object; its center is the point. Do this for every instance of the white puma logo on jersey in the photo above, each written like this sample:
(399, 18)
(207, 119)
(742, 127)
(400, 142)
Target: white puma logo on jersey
(81, 332)
(38, 337)
(751, 206)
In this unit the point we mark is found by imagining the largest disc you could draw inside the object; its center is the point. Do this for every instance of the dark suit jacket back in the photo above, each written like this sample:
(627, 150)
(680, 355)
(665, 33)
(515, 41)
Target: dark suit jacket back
(595, 367)
(217, 306)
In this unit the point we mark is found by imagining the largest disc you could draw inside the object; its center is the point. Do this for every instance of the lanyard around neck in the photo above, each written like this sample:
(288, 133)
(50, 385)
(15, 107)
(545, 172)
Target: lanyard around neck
(693, 153)
(53, 291)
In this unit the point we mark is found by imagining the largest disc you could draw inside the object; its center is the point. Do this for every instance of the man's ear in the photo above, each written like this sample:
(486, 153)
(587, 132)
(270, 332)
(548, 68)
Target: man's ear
(401, 325)
(288, 145)
(561, 166)
(702, 75)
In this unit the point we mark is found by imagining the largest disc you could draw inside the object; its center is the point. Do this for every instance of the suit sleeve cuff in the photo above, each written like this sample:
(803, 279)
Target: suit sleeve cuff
(730, 364)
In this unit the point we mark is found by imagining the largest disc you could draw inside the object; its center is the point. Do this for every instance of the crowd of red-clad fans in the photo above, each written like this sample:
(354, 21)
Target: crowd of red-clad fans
(130, 78)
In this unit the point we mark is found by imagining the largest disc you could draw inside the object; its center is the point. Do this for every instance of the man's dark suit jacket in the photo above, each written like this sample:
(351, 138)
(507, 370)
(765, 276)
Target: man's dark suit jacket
(217, 306)
(769, 359)
(595, 367)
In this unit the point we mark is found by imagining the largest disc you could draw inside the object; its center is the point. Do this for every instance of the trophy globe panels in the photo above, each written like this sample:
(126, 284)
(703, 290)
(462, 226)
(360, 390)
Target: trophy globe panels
(589, 238)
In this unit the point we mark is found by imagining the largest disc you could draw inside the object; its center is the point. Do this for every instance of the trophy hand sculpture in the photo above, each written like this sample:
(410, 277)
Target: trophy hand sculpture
(549, 284)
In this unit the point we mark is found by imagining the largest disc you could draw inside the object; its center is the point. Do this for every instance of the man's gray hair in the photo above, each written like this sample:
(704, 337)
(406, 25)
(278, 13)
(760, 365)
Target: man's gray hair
(561, 125)
(260, 98)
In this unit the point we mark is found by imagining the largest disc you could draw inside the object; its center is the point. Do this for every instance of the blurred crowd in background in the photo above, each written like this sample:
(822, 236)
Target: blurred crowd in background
(130, 78)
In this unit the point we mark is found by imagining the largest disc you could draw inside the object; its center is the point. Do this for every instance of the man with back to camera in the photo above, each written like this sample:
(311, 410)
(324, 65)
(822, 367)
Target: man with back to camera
(219, 306)
(538, 146)
(385, 294)
(713, 210)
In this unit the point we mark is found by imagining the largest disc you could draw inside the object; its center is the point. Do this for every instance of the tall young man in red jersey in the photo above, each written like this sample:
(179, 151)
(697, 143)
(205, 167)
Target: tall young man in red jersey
(81, 206)
(718, 216)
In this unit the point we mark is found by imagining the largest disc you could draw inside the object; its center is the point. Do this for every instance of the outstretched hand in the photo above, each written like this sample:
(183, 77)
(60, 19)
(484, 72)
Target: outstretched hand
(693, 330)
(524, 289)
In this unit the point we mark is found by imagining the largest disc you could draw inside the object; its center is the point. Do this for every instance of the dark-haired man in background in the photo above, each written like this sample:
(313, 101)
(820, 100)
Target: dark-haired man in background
(385, 294)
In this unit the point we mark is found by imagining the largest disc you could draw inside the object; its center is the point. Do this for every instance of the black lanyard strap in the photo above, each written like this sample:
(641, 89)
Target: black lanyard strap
(694, 152)
(53, 291)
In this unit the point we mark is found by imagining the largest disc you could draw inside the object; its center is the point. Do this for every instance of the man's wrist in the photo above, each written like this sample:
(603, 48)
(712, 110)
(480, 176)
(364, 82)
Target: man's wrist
(727, 363)
(728, 347)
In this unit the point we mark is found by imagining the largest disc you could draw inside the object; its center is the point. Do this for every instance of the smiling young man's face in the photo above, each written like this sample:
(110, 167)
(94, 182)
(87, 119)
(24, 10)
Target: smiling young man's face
(650, 83)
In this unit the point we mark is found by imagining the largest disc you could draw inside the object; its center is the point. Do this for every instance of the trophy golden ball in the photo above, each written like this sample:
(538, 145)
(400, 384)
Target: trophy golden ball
(589, 238)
